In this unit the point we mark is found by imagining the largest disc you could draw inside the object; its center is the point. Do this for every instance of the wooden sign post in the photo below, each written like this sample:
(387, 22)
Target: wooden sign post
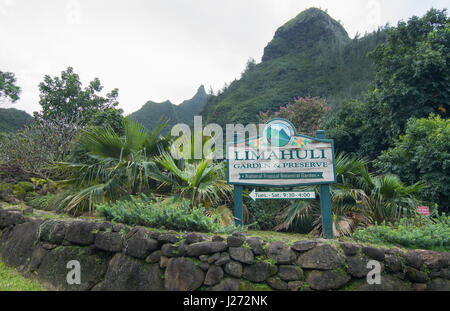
(238, 210)
(282, 158)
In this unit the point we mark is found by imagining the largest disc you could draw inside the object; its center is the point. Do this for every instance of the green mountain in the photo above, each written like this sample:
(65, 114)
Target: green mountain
(151, 112)
(278, 137)
(12, 119)
(311, 55)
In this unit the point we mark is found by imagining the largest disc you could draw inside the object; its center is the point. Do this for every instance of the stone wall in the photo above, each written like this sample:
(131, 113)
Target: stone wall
(117, 257)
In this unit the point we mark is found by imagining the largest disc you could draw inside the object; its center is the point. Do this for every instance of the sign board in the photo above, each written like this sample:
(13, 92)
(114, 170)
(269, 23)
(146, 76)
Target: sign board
(281, 158)
(424, 210)
(292, 195)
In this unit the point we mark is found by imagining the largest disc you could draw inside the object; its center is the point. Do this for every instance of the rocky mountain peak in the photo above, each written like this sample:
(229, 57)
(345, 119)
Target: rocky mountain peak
(304, 31)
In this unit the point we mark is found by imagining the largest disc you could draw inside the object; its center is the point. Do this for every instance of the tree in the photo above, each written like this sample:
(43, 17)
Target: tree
(8, 88)
(412, 81)
(34, 148)
(347, 127)
(109, 117)
(304, 113)
(64, 96)
(412, 67)
(422, 154)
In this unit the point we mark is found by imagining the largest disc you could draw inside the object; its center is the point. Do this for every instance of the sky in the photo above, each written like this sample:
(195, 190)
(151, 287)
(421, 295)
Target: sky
(161, 49)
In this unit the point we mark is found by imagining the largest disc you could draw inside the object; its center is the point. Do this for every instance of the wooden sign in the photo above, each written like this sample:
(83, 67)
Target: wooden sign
(282, 158)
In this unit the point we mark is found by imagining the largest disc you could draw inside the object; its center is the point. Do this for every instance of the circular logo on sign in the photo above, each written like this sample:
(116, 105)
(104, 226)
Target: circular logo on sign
(278, 133)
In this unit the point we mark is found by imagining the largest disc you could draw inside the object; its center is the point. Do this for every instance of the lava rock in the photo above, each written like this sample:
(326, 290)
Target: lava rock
(169, 250)
(235, 241)
(204, 266)
(234, 268)
(241, 254)
(183, 275)
(303, 246)
(326, 280)
(128, 274)
(374, 253)
(223, 259)
(154, 257)
(255, 245)
(439, 285)
(213, 258)
(415, 275)
(53, 231)
(109, 241)
(140, 245)
(281, 253)
(53, 270)
(214, 275)
(10, 218)
(257, 272)
(350, 249)
(290, 273)
(414, 259)
(357, 267)
(295, 285)
(393, 263)
(205, 248)
(81, 232)
(191, 238)
(277, 284)
(322, 257)
(168, 238)
(227, 285)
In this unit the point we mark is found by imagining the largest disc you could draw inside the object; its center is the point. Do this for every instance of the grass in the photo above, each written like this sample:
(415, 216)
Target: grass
(288, 238)
(11, 280)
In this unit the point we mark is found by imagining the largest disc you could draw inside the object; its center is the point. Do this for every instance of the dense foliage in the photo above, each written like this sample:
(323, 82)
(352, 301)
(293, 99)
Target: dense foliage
(433, 234)
(109, 117)
(34, 148)
(202, 181)
(358, 199)
(412, 81)
(413, 77)
(63, 96)
(8, 88)
(304, 113)
(117, 166)
(423, 154)
(168, 214)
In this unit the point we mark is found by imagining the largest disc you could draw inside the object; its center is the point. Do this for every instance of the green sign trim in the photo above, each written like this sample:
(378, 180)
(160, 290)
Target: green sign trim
(315, 175)
(290, 185)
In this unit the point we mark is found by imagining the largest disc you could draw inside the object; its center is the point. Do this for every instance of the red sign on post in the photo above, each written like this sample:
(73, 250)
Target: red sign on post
(424, 210)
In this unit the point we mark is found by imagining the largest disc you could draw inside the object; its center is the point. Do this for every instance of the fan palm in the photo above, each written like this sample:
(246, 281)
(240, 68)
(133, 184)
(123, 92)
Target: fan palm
(358, 198)
(118, 166)
(202, 181)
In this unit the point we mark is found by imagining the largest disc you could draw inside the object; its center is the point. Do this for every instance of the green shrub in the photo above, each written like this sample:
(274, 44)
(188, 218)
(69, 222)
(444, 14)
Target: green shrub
(434, 234)
(5, 191)
(50, 202)
(168, 214)
(26, 186)
(422, 154)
